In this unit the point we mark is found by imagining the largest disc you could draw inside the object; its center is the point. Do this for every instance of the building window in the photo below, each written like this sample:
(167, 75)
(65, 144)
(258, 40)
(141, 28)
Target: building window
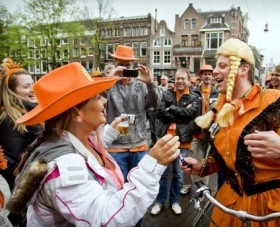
(186, 24)
(156, 73)
(76, 41)
(83, 41)
(65, 54)
(216, 20)
(167, 57)
(31, 69)
(156, 42)
(37, 67)
(184, 41)
(143, 31)
(156, 57)
(195, 40)
(143, 49)
(44, 53)
(135, 31)
(110, 33)
(90, 51)
(135, 47)
(162, 32)
(64, 41)
(58, 54)
(83, 51)
(117, 32)
(193, 23)
(214, 40)
(76, 52)
(127, 31)
(167, 42)
(37, 54)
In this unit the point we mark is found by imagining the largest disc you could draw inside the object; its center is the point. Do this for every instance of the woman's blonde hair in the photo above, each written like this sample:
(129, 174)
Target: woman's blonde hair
(11, 103)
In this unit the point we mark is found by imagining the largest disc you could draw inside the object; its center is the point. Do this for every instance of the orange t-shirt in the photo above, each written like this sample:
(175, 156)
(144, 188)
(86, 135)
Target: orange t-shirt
(172, 127)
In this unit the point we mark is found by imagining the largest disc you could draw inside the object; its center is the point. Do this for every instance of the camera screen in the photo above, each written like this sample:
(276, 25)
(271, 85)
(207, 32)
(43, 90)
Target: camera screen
(130, 72)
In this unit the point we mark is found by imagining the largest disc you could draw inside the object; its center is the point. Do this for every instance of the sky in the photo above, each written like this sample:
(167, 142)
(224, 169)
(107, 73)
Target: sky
(260, 12)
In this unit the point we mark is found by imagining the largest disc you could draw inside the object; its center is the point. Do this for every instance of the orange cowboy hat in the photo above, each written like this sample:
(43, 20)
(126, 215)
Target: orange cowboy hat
(124, 53)
(63, 88)
(205, 68)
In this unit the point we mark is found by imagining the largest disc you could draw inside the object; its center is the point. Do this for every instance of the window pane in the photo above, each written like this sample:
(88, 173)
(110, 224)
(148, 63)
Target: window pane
(156, 57)
(186, 24)
(167, 57)
(143, 49)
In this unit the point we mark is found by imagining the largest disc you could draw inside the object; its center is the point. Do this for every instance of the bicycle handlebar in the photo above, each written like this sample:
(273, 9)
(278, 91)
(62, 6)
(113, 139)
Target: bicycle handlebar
(204, 191)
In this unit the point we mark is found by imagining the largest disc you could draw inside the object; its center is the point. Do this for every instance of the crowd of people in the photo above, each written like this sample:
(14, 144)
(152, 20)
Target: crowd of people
(76, 152)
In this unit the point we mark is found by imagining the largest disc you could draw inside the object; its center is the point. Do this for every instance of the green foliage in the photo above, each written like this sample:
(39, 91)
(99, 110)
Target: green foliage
(44, 31)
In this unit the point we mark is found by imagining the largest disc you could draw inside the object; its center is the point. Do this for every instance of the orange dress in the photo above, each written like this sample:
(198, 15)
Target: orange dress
(230, 146)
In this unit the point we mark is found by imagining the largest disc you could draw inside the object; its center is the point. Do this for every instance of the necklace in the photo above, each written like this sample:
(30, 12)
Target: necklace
(246, 93)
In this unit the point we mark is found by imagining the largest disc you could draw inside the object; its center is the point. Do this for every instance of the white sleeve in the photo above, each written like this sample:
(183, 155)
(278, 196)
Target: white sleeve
(91, 203)
(109, 135)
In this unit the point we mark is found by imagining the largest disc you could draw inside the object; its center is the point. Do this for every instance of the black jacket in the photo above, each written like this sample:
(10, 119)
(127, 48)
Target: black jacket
(182, 113)
(15, 143)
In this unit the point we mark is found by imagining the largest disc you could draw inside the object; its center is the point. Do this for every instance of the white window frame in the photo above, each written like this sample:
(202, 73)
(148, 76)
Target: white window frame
(193, 26)
(143, 46)
(167, 42)
(156, 57)
(166, 57)
(210, 38)
(215, 20)
(186, 25)
(156, 42)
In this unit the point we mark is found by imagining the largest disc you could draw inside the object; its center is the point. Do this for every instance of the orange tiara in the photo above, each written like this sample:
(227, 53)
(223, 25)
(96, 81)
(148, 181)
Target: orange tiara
(12, 68)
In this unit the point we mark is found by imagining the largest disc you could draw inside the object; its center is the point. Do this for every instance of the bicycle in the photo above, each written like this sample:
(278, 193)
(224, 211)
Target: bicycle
(204, 192)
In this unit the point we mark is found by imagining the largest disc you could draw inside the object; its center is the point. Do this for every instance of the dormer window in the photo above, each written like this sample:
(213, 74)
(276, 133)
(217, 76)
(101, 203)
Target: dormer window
(215, 20)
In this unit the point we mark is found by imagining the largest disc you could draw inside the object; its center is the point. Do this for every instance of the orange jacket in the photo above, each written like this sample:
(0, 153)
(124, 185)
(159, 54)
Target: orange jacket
(226, 143)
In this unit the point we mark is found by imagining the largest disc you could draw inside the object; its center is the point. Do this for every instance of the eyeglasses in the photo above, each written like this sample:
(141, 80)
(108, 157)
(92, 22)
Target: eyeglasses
(275, 74)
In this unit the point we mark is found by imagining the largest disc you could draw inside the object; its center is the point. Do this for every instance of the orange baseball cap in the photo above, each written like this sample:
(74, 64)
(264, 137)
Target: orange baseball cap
(124, 53)
(205, 68)
(63, 88)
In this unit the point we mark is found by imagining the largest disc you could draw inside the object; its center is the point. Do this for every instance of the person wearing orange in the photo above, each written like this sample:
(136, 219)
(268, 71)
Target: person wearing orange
(208, 95)
(69, 179)
(16, 98)
(243, 112)
(133, 97)
(175, 115)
